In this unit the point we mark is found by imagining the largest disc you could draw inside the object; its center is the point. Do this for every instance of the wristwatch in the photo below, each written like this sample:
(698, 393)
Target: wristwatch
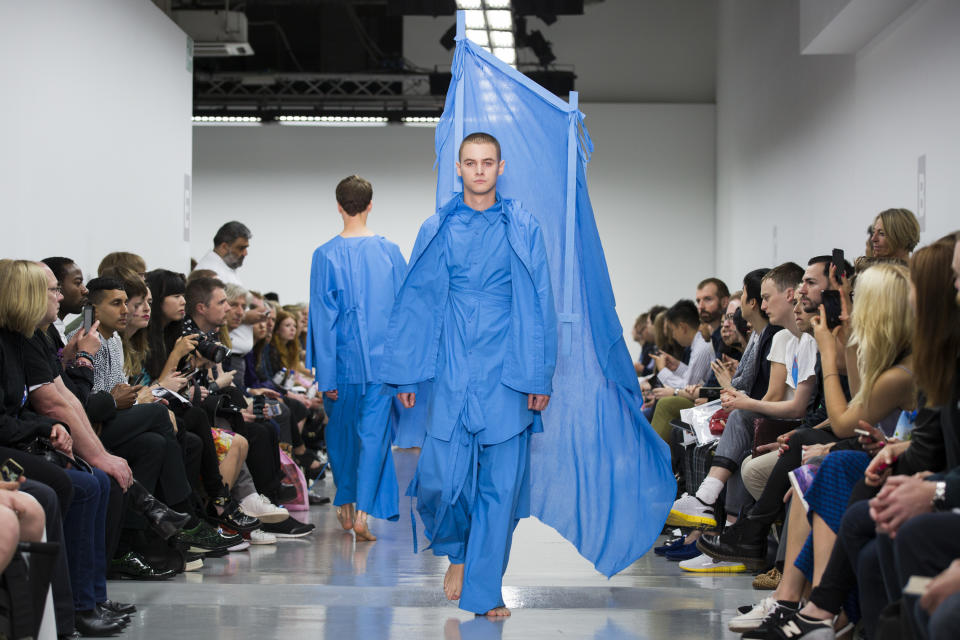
(940, 497)
(676, 392)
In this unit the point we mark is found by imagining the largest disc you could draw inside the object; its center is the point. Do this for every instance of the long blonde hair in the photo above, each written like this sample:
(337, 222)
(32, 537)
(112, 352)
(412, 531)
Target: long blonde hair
(23, 295)
(882, 323)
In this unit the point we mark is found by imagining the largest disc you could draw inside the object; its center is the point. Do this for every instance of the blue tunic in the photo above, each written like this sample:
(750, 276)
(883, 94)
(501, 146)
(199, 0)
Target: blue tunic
(352, 287)
(476, 323)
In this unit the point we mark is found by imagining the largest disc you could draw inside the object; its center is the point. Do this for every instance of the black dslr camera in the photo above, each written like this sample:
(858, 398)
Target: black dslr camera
(211, 349)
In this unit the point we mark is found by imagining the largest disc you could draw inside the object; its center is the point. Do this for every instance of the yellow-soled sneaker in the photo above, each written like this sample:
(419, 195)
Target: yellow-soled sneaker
(705, 564)
(690, 511)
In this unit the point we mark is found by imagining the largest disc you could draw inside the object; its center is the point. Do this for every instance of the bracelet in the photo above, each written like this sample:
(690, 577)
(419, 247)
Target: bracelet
(83, 363)
(85, 354)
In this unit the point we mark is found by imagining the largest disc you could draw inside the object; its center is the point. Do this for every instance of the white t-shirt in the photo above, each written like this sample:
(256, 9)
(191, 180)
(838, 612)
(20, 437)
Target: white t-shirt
(798, 355)
(215, 263)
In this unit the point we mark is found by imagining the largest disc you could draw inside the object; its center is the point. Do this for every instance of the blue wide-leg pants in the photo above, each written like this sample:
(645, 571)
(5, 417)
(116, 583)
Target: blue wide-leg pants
(358, 444)
(470, 497)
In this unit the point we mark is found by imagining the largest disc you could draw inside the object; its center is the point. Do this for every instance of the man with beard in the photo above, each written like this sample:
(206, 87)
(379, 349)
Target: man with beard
(712, 298)
(230, 245)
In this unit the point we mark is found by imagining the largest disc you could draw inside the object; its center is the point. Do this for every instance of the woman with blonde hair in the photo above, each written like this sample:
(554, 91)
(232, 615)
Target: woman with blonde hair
(894, 234)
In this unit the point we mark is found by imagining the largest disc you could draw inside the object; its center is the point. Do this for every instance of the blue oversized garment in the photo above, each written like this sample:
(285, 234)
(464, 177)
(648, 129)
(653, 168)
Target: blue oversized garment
(599, 474)
(352, 287)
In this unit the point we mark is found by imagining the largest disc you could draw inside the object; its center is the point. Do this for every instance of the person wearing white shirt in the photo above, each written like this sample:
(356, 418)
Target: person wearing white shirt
(230, 246)
(683, 322)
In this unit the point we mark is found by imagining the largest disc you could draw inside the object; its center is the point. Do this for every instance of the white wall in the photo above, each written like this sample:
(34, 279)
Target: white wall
(95, 129)
(817, 145)
(651, 179)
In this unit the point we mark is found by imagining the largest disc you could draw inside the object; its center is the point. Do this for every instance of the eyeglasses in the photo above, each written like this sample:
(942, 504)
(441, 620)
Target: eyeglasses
(728, 316)
(56, 290)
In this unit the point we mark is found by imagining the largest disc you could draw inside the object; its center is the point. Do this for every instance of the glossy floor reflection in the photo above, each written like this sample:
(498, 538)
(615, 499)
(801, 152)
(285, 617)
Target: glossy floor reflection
(328, 586)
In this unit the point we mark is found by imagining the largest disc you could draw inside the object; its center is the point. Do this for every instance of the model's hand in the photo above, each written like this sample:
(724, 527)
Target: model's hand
(410, 399)
(945, 584)
(537, 401)
(333, 394)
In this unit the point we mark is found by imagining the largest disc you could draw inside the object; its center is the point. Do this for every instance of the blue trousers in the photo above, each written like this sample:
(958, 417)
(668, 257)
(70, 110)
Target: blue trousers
(84, 531)
(358, 443)
(470, 497)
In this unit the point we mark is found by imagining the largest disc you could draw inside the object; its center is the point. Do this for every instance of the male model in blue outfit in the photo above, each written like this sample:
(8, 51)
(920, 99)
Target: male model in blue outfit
(353, 282)
(475, 315)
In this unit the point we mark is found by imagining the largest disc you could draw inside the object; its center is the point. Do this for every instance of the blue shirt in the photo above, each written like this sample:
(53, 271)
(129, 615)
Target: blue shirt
(353, 282)
(474, 333)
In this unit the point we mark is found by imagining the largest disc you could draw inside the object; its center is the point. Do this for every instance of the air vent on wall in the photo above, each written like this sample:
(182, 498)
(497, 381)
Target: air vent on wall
(215, 33)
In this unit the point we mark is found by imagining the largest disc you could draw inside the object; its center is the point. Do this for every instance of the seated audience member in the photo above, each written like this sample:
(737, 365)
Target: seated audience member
(683, 322)
(924, 544)
(895, 232)
(21, 520)
(143, 433)
(122, 260)
(712, 299)
(206, 304)
(792, 356)
(645, 335)
(283, 355)
(167, 348)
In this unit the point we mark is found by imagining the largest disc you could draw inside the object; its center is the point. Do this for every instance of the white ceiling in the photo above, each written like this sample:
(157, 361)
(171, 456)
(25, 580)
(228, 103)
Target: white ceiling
(621, 50)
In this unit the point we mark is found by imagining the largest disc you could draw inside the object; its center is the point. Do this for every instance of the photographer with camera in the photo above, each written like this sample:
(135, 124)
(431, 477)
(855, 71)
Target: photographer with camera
(206, 311)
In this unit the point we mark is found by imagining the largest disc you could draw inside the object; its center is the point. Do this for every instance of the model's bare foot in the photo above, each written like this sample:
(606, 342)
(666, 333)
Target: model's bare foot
(453, 581)
(361, 529)
(345, 516)
(499, 612)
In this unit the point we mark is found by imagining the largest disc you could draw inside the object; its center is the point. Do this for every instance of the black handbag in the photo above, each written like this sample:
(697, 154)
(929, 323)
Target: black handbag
(44, 448)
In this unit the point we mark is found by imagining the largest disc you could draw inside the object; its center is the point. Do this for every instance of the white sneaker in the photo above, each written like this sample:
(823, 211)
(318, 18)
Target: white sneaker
(752, 618)
(262, 537)
(690, 511)
(705, 564)
(257, 505)
(240, 546)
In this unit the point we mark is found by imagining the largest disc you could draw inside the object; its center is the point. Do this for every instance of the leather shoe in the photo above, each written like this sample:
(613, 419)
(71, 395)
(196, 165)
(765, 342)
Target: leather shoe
(162, 519)
(286, 493)
(106, 614)
(131, 565)
(118, 607)
(91, 624)
(745, 541)
(232, 517)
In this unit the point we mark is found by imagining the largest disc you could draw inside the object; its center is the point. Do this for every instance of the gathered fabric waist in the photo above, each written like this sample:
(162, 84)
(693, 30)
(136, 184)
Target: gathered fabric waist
(490, 295)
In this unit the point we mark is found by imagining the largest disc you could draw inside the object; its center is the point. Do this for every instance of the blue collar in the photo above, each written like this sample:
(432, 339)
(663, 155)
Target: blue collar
(492, 214)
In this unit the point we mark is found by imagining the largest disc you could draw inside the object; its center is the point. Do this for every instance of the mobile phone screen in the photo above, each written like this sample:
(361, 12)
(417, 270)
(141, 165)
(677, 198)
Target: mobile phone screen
(87, 317)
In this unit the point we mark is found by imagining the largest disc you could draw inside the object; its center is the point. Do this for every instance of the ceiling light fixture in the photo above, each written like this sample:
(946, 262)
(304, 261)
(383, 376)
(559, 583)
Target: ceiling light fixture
(227, 119)
(489, 24)
(333, 121)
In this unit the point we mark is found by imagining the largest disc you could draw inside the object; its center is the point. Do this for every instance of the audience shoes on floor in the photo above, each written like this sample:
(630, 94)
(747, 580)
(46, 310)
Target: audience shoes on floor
(133, 566)
(118, 607)
(93, 625)
(705, 564)
(669, 545)
(769, 580)
(737, 544)
(232, 517)
(289, 528)
(682, 552)
(690, 511)
(259, 506)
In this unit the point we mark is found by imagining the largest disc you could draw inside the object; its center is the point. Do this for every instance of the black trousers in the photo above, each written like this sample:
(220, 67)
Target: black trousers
(770, 503)
(60, 580)
(144, 437)
(263, 455)
(205, 471)
(36, 468)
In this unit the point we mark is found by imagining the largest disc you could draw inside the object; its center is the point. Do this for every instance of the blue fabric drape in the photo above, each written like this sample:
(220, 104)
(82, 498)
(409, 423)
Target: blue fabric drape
(600, 475)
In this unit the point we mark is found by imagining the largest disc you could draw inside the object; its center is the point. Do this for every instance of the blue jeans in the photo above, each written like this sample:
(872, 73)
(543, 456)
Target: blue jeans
(84, 533)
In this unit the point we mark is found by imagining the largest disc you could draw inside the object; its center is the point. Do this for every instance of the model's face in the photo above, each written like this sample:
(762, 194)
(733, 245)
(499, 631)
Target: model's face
(777, 304)
(112, 311)
(173, 308)
(881, 247)
(54, 296)
(235, 312)
(287, 330)
(214, 313)
(74, 292)
(811, 289)
(709, 304)
(479, 168)
(236, 251)
(728, 331)
(138, 312)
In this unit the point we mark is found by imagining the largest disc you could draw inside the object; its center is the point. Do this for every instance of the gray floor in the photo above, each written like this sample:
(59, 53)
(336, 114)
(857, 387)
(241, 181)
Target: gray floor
(328, 586)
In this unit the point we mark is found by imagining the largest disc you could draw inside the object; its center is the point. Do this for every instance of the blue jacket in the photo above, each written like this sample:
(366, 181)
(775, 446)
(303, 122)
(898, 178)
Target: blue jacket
(413, 333)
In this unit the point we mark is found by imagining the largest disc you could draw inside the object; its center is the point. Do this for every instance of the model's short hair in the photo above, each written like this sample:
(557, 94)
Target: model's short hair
(199, 291)
(901, 227)
(97, 288)
(59, 266)
(684, 311)
(354, 194)
(122, 259)
(722, 290)
(230, 231)
(23, 296)
(479, 137)
(133, 284)
(786, 276)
